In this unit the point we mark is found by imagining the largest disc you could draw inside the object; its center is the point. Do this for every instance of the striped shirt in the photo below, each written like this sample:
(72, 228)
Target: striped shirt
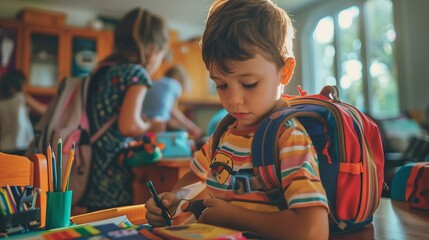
(299, 168)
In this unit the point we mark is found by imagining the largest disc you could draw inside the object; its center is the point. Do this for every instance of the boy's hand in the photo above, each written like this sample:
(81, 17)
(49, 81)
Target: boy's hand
(218, 212)
(153, 214)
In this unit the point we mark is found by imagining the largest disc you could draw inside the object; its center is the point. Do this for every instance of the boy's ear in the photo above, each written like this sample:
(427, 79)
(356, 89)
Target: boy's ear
(287, 70)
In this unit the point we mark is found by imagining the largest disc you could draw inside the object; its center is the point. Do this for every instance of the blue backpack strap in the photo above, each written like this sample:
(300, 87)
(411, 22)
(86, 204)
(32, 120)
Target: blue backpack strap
(221, 128)
(265, 155)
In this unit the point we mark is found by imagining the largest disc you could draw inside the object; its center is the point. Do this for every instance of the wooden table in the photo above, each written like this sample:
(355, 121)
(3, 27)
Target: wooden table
(164, 175)
(393, 220)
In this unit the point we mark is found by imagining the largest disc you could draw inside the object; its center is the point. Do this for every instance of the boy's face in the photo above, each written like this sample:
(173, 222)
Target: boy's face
(251, 91)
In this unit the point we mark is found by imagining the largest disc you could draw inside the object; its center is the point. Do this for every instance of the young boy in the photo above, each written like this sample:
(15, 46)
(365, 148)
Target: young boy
(247, 48)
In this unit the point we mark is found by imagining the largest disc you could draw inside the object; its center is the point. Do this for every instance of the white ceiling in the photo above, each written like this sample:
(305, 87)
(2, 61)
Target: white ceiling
(186, 16)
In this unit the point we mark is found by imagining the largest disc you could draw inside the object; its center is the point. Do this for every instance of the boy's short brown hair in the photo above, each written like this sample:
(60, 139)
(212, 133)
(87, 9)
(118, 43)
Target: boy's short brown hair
(239, 29)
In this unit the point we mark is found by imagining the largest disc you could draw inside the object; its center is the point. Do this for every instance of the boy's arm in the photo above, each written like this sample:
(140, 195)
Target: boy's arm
(180, 191)
(188, 187)
(299, 223)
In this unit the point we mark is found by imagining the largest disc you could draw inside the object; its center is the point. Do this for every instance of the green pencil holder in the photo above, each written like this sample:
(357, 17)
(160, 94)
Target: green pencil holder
(58, 209)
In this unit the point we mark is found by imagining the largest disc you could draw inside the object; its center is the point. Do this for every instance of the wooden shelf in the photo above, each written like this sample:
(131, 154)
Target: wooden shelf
(40, 91)
(208, 100)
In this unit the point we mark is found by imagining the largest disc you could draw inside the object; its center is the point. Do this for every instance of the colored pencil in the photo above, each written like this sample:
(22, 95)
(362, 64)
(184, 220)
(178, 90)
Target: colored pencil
(68, 168)
(16, 193)
(3, 202)
(50, 177)
(12, 198)
(60, 164)
(2, 208)
(54, 172)
(8, 201)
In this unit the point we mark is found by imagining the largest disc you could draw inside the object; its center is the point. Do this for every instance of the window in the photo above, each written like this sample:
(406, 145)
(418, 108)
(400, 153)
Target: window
(352, 47)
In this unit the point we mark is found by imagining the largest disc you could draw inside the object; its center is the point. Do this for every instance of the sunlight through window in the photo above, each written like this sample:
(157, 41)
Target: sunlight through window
(367, 75)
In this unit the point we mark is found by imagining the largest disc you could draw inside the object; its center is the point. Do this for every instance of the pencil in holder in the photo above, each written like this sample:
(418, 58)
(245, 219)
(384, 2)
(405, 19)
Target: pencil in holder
(58, 209)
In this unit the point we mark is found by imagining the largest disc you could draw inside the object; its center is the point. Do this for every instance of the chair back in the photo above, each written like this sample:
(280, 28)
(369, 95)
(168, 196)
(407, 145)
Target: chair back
(22, 171)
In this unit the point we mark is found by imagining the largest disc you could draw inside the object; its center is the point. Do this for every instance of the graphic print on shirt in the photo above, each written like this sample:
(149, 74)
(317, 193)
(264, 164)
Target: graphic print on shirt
(221, 168)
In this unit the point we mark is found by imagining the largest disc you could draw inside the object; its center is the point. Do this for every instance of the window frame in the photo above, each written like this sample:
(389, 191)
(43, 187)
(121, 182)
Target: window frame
(332, 9)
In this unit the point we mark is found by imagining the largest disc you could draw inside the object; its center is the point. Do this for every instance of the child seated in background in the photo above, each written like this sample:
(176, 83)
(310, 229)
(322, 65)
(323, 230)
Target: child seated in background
(16, 129)
(247, 48)
(161, 102)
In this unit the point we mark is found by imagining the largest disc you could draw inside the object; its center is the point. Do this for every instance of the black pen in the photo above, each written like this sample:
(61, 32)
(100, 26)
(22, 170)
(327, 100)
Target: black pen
(165, 213)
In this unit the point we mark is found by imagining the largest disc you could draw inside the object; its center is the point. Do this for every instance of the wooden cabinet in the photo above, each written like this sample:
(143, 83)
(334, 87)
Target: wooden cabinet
(101, 42)
(47, 50)
(11, 41)
(50, 54)
(44, 52)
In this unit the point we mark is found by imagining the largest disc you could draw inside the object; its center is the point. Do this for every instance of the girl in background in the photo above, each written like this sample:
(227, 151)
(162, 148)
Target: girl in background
(141, 42)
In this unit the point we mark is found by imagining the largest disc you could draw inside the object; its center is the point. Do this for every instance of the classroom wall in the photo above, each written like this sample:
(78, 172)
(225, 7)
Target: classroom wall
(411, 18)
(75, 16)
(412, 43)
(412, 48)
(80, 17)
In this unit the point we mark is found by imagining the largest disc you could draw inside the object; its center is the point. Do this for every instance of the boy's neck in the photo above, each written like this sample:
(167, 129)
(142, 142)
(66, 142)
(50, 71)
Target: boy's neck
(233, 128)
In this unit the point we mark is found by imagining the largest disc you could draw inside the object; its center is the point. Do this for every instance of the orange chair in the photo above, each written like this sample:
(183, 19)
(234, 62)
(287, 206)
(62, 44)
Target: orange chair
(22, 171)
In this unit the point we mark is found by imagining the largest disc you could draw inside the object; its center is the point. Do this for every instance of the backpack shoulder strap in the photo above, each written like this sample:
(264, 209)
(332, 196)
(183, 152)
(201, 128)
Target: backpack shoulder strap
(265, 161)
(100, 70)
(265, 155)
(103, 128)
(221, 128)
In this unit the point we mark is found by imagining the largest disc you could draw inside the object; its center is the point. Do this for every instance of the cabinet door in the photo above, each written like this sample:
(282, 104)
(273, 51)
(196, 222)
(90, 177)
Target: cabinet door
(88, 47)
(45, 58)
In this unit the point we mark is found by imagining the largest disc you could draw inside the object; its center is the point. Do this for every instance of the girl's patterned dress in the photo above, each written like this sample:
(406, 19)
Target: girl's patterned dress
(110, 183)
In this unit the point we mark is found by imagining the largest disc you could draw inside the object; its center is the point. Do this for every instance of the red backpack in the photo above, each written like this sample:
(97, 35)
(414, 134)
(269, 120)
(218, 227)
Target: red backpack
(349, 151)
(417, 190)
